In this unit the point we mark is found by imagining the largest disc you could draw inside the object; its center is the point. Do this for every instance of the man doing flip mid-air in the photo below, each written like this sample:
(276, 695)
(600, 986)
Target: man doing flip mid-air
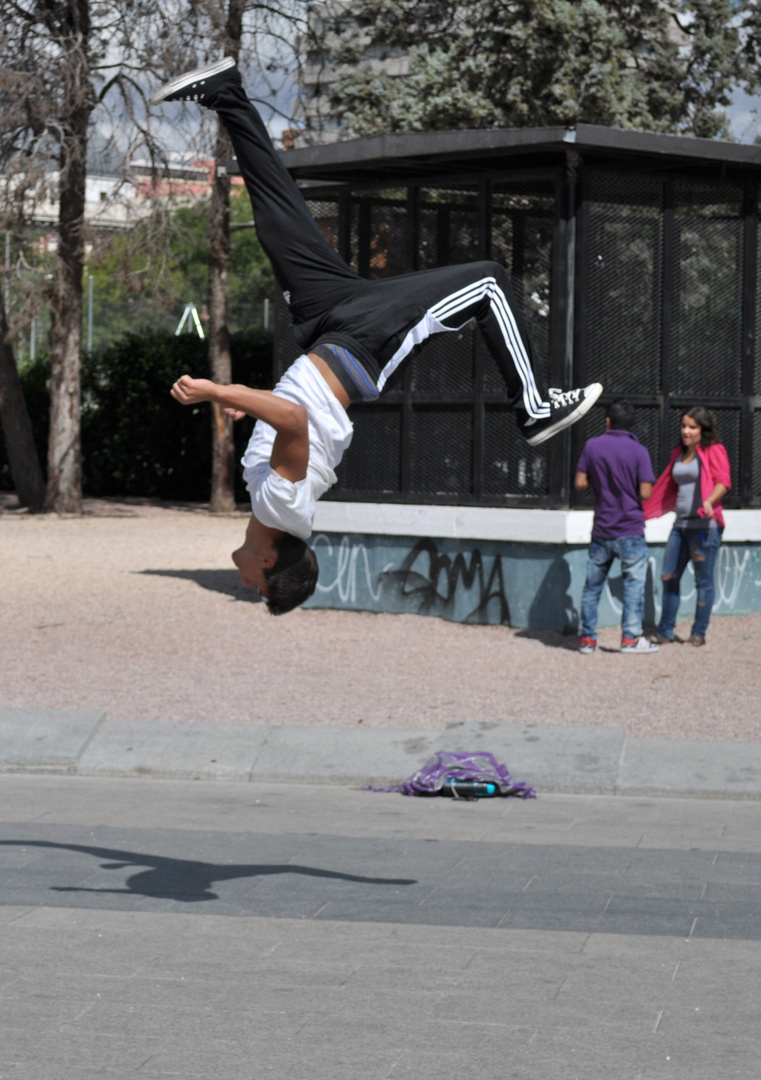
(355, 334)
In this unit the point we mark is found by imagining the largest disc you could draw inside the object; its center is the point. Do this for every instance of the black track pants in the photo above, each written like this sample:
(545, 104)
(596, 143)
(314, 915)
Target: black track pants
(380, 322)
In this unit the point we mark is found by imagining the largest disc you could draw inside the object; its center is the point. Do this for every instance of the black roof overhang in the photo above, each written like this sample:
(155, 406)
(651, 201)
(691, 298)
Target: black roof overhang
(388, 157)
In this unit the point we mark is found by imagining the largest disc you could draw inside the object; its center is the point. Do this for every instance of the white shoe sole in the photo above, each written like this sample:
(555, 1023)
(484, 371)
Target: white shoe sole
(582, 410)
(189, 78)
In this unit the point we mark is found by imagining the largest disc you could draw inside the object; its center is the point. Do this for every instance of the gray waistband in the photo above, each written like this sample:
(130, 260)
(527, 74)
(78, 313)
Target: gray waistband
(352, 375)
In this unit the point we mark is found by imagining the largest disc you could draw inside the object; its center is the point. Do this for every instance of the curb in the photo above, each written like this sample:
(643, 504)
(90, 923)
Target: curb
(552, 758)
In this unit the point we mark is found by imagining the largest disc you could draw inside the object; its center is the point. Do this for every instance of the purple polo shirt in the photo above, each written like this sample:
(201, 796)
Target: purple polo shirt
(616, 463)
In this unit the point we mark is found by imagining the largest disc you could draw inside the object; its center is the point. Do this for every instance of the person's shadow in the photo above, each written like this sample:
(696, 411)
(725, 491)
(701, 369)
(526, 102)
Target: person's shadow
(552, 616)
(187, 881)
(226, 582)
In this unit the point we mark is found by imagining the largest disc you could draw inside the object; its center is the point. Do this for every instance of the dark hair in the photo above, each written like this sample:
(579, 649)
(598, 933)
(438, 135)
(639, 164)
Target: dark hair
(709, 432)
(293, 578)
(621, 415)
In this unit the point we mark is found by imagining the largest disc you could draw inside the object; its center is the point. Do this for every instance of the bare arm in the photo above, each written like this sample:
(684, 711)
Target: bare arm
(645, 489)
(718, 493)
(581, 482)
(290, 451)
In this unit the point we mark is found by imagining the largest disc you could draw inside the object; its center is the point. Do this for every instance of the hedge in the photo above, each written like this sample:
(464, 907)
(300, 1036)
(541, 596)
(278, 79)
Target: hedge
(136, 440)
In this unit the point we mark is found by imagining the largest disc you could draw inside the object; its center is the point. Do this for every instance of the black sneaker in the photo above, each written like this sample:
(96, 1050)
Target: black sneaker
(195, 85)
(566, 407)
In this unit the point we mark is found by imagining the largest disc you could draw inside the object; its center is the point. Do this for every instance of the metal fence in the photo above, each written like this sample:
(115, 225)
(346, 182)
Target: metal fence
(644, 283)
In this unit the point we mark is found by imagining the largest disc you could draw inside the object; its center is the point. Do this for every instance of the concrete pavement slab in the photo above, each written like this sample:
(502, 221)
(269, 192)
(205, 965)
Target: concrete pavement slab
(549, 757)
(498, 883)
(45, 738)
(172, 748)
(343, 755)
(553, 757)
(231, 989)
(693, 767)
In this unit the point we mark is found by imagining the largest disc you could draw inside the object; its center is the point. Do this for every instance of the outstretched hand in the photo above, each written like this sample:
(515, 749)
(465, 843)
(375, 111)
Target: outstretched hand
(190, 391)
(235, 414)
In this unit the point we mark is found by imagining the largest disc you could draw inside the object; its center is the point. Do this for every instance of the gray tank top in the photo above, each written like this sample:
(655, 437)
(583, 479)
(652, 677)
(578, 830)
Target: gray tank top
(687, 477)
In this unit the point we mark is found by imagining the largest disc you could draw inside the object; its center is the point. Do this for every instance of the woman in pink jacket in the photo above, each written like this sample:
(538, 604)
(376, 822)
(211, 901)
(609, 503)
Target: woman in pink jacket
(693, 484)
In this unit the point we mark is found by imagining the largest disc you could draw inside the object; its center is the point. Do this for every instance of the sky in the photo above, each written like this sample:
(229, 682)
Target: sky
(745, 123)
(179, 129)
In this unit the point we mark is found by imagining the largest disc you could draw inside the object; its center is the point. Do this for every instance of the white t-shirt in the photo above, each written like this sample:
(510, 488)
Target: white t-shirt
(275, 501)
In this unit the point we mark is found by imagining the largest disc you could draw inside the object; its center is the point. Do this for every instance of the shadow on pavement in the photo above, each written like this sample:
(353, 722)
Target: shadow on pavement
(226, 582)
(551, 638)
(182, 879)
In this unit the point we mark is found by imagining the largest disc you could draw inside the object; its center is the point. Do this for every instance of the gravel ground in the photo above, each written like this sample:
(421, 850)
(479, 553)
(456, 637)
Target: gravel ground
(136, 609)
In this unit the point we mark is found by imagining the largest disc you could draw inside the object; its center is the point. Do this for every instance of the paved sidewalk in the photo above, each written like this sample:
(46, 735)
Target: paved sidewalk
(159, 929)
(552, 758)
(145, 618)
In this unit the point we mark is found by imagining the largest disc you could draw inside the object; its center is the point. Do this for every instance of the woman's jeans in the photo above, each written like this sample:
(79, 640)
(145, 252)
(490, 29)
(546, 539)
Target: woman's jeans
(632, 551)
(701, 545)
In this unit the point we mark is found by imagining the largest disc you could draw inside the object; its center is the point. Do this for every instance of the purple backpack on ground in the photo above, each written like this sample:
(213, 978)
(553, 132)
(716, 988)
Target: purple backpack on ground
(436, 777)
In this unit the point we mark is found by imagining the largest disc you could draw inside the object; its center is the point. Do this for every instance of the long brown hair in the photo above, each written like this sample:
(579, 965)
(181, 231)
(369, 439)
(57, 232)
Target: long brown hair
(709, 432)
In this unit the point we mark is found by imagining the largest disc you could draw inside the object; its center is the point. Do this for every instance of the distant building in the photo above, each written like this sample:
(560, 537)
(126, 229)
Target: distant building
(111, 202)
(329, 23)
(181, 177)
(115, 202)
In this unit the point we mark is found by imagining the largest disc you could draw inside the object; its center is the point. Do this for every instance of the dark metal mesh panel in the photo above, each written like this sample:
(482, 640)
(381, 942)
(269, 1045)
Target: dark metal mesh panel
(448, 224)
(706, 345)
(441, 450)
(325, 213)
(511, 466)
(729, 426)
(379, 240)
(622, 294)
(494, 384)
(647, 428)
(287, 348)
(757, 358)
(755, 479)
(373, 462)
(444, 367)
(521, 232)
(635, 269)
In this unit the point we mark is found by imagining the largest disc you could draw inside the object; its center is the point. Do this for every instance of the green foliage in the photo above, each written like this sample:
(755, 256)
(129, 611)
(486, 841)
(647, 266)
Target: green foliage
(136, 440)
(513, 63)
(144, 277)
(34, 377)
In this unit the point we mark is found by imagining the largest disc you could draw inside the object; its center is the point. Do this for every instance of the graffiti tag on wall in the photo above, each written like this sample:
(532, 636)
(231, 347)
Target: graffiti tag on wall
(730, 571)
(351, 559)
(427, 582)
(527, 585)
(434, 579)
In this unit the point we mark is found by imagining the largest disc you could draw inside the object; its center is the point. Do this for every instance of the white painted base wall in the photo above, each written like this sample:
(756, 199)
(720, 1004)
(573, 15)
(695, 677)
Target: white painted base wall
(494, 523)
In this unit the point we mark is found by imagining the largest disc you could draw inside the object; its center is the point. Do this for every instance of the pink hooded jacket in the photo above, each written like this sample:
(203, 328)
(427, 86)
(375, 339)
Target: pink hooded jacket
(714, 469)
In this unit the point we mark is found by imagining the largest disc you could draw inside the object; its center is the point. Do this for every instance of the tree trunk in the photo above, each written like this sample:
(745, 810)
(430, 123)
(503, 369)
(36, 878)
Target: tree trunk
(220, 363)
(64, 448)
(22, 453)
(222, 452)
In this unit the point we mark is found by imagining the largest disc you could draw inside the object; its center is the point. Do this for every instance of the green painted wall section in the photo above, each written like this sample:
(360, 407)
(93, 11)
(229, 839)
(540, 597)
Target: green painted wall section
(535, 586)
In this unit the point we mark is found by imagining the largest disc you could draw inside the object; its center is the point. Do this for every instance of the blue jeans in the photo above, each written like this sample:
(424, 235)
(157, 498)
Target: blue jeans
(684, 544)
(632, 551)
